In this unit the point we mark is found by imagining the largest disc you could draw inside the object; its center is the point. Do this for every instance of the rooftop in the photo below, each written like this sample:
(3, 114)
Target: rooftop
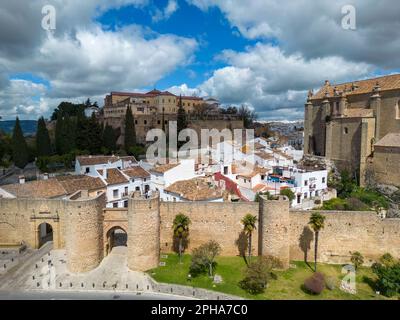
(94, 160)
(195, 190)
(136, 172)
(54, 187)
(162, 168)
(390, 82)
(390, 140)
(114, 176)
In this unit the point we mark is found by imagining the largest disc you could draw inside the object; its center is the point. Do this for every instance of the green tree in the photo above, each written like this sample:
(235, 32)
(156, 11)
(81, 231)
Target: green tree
(130, 133)
(249, 225)
(181, 231)
(248, 116)
(19, 147)
(65, 134)
(181, 120)
(94, 135)
(316, 223)
(258, 274)
(388, 276)
(68, 108)
(204, 256)
(110, 138)
(43, 143)
(357, 259)
(288, 193)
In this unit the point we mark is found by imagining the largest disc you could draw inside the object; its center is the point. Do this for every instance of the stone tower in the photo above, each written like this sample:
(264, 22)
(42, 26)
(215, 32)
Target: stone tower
(274, 228)
(143, 232)
(84, 232)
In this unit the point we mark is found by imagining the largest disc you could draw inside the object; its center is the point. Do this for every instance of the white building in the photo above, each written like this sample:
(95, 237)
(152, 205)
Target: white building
(90, 164)
(162, 176)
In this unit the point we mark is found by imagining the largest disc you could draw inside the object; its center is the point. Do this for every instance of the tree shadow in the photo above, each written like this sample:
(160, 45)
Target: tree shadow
(370, 282)
(242, 242)
(305, 240)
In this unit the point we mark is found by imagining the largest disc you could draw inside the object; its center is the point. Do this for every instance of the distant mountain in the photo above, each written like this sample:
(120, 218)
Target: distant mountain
(28, 126)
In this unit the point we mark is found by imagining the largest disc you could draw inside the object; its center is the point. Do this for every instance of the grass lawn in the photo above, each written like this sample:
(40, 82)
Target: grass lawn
(288, 284)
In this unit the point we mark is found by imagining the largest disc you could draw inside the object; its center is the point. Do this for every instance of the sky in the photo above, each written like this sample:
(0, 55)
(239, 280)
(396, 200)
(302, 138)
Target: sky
(266, 54)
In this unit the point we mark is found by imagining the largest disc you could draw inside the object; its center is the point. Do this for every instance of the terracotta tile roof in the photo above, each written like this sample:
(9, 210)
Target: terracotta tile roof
(114, 176)
(136, 172)
(390, 82)
(162, 168)
(75, 183)
(195, 190)
(390, 140)
(45, 189)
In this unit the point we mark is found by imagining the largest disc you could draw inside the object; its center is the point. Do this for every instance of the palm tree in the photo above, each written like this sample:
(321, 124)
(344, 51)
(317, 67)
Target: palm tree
(181, 230)
(249, 225)
(317, 224)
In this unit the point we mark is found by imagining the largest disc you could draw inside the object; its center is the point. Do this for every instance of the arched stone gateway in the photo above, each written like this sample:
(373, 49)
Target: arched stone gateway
(115, 237)
(87, 231)
(45, 233)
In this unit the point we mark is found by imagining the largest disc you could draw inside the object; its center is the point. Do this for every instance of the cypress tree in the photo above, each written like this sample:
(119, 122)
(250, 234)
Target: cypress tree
(130, 133)
(19, 147)
(109, 138)
(181, 121)
(59, 134)
(43, 144)
(94, 136)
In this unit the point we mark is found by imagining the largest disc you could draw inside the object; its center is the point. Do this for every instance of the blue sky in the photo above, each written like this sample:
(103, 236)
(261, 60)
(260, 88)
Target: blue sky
(266, 54)
(211, 29)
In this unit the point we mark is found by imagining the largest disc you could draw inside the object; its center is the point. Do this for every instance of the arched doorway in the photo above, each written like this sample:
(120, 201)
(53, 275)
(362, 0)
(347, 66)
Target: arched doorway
(116, 237)
(45, 232)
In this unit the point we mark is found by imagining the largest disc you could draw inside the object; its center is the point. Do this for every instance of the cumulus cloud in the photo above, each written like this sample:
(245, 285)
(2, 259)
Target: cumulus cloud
(273, 82)
(79, 59)
(171, 7)
(314, 28)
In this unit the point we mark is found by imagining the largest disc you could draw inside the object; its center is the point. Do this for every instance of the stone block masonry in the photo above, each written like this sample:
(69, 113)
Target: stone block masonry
(80, 226)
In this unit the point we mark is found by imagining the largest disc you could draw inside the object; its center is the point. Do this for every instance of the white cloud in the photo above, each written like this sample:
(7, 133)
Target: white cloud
(314, 28)
(81, 59)
(171, 7)
(274, 82)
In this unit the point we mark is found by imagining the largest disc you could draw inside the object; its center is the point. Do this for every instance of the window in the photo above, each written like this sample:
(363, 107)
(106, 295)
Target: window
(346, 130)
(115, 205)
(398, 110)
(135, 121)
(115, 193)
(305, 195)
(306, 183)
(87, 169)
(126, 204)
(323, 180)
(145, 121)
(137, 188)
(126, 190)
(226, 170)
(132, 180)
(159, 122)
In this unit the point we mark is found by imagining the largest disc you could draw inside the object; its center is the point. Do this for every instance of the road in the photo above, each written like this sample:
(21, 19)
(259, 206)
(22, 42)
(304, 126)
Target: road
(83, 295)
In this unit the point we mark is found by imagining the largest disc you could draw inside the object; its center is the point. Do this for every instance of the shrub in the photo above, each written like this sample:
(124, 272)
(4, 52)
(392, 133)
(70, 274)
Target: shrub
(370, 198)
(315, 284)
(288, 193)
(331, 283)
(334, 204)
(203, 258)
(387, 260)
(388, 277)
(356, 259)
(258, 274)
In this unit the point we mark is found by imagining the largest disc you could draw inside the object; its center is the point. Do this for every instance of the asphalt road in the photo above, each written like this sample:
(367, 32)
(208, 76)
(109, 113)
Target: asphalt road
(83, 295)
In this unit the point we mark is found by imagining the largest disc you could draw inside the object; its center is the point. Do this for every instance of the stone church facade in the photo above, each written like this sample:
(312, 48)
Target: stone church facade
(357, 125)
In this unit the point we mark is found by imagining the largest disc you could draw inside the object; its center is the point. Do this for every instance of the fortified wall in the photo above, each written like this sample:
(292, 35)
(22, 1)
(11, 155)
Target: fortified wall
(82, 226)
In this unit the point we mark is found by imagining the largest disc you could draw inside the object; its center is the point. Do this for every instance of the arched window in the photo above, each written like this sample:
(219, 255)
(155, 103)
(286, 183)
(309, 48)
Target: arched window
(398, 110)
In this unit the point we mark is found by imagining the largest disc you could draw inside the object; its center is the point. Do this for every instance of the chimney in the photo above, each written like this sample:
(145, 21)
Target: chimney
(21, 179)
(327, 83)
(45, 176)
(105, 173)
